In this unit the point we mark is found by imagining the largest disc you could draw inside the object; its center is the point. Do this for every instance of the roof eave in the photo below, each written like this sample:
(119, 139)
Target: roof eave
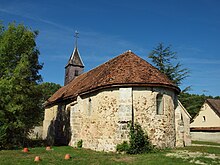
(73, 97)
(213, 108)
(212, 129)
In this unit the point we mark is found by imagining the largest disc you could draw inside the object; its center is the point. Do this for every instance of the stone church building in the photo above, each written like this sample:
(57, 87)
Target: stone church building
(96, 106)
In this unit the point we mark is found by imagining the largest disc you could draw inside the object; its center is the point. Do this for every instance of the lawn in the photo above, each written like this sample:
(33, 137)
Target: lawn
(206, 143)
(181, 156)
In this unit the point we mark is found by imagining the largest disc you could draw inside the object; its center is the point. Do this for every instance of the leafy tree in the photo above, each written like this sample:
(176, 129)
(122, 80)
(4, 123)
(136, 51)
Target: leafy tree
(163, 59)
(2, 130)
(193, 102)
(19, 77)
(48, 88)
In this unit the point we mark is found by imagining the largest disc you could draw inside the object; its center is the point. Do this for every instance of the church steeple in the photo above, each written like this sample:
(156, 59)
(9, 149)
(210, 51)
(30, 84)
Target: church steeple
(75, 64)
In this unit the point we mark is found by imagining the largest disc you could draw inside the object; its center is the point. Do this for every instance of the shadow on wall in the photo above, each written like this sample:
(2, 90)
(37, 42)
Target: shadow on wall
(59, 132)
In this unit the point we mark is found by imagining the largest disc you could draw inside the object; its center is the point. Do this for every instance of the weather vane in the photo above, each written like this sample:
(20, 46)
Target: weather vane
(76, 36)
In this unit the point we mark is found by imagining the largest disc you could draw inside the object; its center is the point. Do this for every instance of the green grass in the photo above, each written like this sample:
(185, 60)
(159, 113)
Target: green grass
(87, 157)
(205, 143)
(204, 149)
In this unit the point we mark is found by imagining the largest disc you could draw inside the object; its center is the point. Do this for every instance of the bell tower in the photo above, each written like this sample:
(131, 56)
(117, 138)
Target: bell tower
(75, 66)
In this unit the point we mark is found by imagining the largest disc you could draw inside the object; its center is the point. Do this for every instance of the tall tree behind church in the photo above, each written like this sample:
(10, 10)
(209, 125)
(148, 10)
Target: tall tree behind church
(164, 59)
(19, 78)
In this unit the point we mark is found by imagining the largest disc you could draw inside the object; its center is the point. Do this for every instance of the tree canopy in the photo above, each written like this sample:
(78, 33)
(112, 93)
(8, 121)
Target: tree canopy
(19, 77)
(48, 88)
(164, 59)
(194, 102)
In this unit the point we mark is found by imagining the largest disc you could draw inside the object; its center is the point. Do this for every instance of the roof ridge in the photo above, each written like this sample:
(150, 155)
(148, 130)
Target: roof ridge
(128, 51)
(122, 70)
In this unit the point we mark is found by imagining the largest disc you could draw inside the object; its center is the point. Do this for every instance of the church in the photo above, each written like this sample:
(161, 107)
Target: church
(96, 106)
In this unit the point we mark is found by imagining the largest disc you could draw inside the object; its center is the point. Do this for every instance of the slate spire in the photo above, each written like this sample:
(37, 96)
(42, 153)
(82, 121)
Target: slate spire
(75, 64)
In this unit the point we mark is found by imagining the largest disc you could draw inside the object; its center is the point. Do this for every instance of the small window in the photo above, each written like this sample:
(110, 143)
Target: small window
(89, 107)
(181, 116)
(159, 102)
(76, 73)
(203, 119)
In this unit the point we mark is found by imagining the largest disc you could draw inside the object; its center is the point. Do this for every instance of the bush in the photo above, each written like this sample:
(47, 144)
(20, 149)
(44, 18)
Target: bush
(138, 141)
(3, 136)
(123, 147)
(36, 143)
(80, 143)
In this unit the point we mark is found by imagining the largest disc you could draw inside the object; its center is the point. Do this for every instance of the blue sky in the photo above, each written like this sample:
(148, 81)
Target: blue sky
(110, 27)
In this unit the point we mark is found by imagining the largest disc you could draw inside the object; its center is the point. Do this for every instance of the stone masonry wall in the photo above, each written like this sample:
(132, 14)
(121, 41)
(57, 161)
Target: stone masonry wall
(179, 124)
(50, 115)
(56, 125)
(100, 120)
(160, 128)
(94, 119)
(182, 123)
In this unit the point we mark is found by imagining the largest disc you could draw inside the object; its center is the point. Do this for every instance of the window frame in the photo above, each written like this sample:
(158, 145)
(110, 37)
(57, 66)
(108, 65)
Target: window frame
(76, 73)
(89, 106)
(203, 119)
(159, 104)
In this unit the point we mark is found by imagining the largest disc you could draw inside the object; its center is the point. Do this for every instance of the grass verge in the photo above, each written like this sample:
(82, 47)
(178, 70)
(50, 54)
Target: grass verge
(83, 156)
(205, 143)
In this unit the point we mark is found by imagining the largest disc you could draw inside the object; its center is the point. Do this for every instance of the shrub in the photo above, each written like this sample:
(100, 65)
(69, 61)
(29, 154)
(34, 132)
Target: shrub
(138, 141)
(80, 143)
(3, 136)
(36, 143)
(123, 147)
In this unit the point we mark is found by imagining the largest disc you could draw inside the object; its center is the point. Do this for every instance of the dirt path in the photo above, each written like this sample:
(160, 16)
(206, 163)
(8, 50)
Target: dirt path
(196, 157)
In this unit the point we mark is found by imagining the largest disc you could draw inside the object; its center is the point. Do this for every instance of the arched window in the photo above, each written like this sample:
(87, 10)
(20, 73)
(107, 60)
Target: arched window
(159, 102)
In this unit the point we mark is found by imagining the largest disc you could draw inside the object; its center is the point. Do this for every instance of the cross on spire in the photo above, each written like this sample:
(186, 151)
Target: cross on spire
(75, 64)
(76, 37)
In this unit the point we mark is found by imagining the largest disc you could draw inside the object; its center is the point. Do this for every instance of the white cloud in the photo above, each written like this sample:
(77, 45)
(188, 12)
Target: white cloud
(34, 18)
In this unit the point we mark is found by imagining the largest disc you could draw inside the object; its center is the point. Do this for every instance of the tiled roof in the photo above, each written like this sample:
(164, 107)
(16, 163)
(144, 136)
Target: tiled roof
(75, 58)
(126, 69)
(215, 105)
(205, 129)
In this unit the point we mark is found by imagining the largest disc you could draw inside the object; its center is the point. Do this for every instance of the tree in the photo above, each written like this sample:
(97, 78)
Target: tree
(19, 77)
(47, 89)
(163, 59)
(193, 102)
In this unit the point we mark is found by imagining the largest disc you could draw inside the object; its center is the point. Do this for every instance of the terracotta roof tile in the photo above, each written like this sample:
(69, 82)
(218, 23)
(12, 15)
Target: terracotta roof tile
(206, 129)
(126, 69)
